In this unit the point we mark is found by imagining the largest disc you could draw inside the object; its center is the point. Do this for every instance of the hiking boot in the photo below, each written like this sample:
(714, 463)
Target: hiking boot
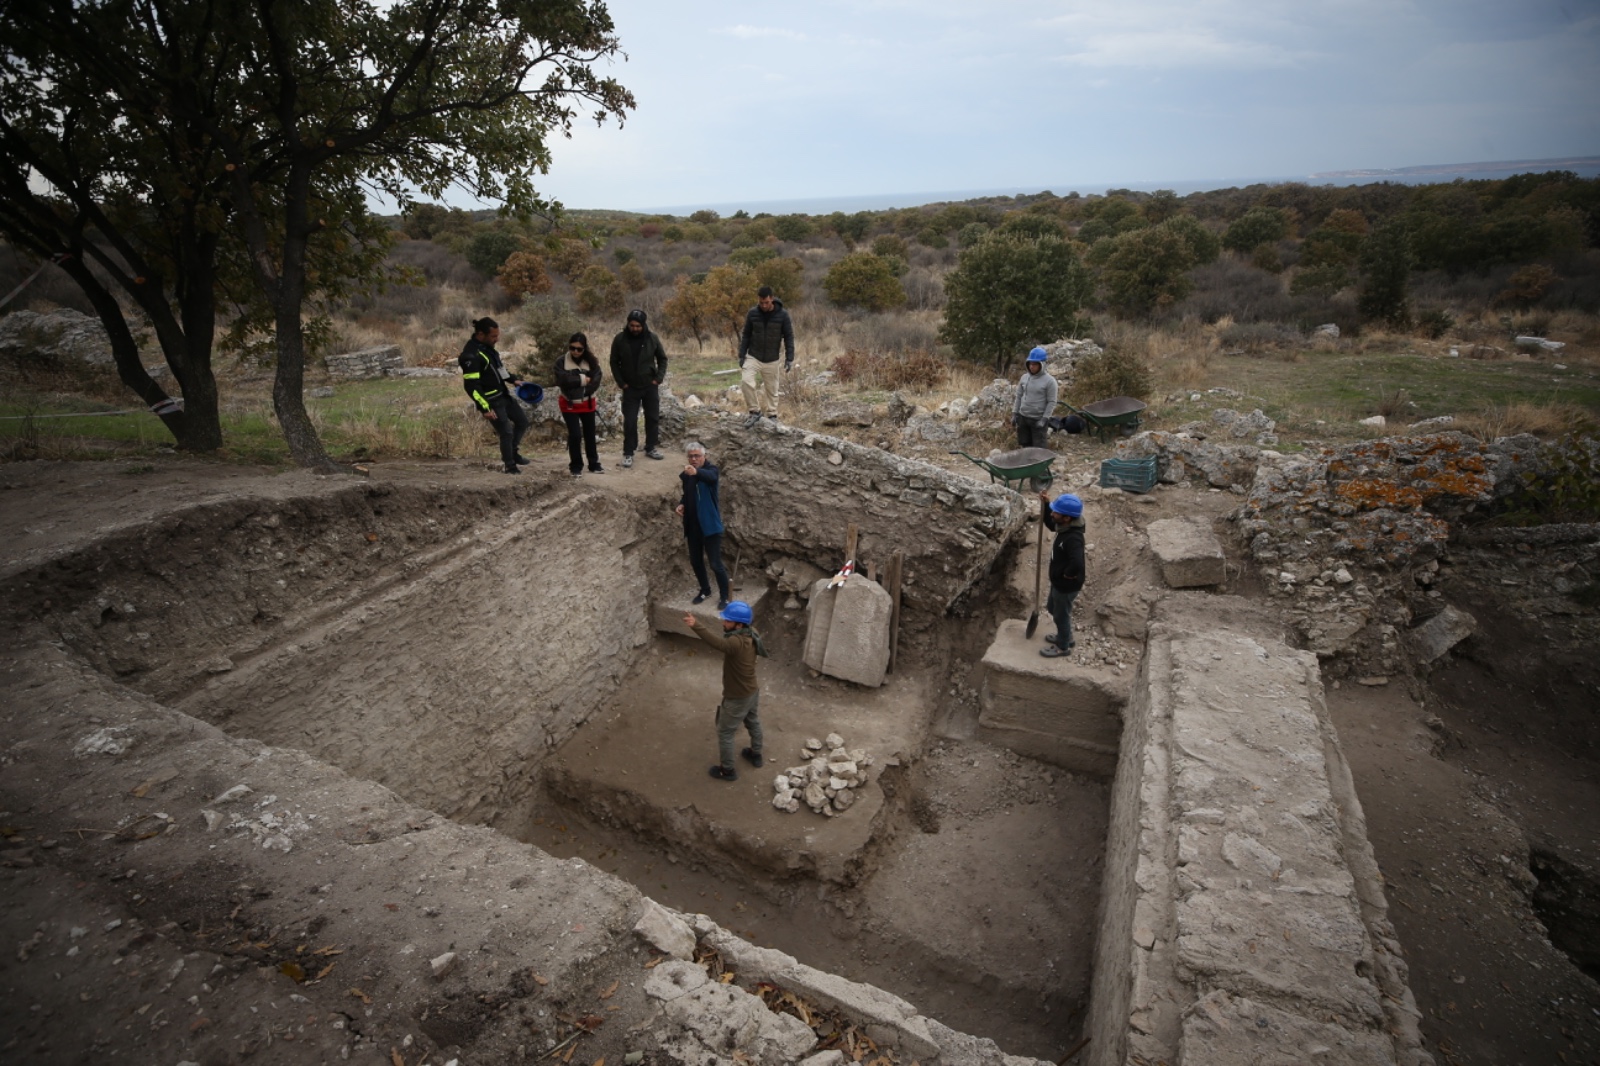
(722, 605)
(577, 473)
(750, 423)
(753, 757)
(654, 453)
(512, 468)
(627, 461)
(523, 460)
(724, 773)
(700, 598)
(597, 469)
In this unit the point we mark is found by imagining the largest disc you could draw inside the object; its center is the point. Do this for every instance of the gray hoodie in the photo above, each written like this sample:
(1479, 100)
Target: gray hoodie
(1036, 397)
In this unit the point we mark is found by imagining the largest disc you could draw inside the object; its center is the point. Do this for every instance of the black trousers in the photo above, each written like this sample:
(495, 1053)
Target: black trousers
(711, 548)
(633, 398)
(510, 423)
(581, 424)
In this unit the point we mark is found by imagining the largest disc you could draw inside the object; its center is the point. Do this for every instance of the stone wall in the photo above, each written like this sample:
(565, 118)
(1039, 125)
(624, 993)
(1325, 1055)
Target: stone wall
(367, 363)
(791, 493)
(1243, 916)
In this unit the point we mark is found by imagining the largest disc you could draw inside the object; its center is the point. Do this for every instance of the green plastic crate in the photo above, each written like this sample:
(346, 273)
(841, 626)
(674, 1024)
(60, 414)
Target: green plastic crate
(1129, 475)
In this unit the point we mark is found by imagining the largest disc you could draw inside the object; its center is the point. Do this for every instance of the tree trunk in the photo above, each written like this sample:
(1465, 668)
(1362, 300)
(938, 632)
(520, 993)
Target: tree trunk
(195, 426)
(288, 300)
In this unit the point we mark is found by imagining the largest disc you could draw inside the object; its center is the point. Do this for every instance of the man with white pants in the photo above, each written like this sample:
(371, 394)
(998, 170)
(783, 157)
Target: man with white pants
(767, 332)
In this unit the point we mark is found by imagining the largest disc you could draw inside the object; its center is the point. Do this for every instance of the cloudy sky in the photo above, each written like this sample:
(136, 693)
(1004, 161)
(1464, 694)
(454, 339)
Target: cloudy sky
(742, 102)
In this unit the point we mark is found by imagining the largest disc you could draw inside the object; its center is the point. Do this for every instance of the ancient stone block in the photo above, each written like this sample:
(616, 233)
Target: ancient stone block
(666, 613)
(1189, 553)
(858, 633)
(819, 617)
(1442, 632)
(367, 363)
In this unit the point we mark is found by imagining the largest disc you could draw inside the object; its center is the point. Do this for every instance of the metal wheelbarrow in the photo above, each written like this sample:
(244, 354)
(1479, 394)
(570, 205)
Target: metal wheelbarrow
(1106, 417)
(1023, 464)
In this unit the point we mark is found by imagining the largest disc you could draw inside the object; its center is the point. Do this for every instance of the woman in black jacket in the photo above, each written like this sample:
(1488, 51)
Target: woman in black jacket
(578, 377)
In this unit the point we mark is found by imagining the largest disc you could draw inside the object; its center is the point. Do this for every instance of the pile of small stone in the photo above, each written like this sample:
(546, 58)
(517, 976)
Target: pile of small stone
(826, 781)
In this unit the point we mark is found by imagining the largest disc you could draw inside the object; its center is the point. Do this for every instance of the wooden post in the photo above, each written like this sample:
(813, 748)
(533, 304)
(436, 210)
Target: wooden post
(852, 534)
(872, 571)
(896, 562)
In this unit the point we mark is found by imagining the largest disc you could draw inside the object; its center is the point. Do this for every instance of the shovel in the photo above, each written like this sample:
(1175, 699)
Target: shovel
(1038, 568)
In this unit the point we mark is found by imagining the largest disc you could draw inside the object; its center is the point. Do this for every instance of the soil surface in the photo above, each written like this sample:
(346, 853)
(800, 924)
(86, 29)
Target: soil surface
(1478, 780)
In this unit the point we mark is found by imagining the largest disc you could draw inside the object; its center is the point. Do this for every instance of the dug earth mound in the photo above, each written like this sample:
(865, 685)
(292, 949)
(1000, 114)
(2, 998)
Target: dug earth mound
(412, 768)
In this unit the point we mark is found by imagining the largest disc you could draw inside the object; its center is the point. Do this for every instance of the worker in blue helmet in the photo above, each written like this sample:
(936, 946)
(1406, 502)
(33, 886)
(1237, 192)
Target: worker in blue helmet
(1064, 517)
(740, 646)
(1037, 393)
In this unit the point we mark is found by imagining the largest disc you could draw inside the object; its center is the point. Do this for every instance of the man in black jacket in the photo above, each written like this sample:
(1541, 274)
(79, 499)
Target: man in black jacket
(639, 366)
(767, 330)
(489, 384)
(1065, 519)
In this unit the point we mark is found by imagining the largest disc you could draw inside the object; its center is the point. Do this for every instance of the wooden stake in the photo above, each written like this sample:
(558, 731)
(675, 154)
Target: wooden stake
(896, 563)
(852, 534)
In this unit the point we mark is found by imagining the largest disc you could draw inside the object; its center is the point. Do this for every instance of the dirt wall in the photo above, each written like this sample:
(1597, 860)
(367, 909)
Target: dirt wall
(428, 641)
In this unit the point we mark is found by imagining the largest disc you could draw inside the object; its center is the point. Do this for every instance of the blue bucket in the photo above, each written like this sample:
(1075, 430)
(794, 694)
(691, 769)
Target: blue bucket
(529, 393)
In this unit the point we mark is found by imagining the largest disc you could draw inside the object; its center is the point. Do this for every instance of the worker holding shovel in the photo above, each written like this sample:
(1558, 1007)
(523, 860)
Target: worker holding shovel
(1064, 518)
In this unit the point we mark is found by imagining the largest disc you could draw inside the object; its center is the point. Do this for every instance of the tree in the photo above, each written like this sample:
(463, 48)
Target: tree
(715, 304)
(862, 279)
(597, 289)
(1204, 244)
(1385, 269)
(1009, 292)
(523, 274)
(273, 120)
(1146, 270)
(489, 250)
(792, 227)
(632, 276)
(1257, 226)
(783, 275)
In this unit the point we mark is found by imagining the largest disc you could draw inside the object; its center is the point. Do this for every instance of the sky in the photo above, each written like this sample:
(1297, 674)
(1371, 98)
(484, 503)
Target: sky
(744, 103)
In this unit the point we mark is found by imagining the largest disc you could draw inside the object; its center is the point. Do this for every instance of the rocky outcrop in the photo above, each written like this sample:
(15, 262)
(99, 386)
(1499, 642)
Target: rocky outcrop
(65, 333)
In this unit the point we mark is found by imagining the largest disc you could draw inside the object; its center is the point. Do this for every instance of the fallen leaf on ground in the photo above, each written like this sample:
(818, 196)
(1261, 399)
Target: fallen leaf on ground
(325, 971)
(608, 993)
(653, 963)
(391, 906)
(362, 996)
(394, 1057)
(160, 777)
(294, 971)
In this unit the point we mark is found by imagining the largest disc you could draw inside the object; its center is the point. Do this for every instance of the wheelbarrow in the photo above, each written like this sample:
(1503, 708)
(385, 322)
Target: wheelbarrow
(1106, 417)
(1023, 464)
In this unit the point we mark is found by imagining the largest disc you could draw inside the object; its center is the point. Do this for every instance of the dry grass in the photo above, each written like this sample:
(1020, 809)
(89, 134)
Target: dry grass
(1547, 420)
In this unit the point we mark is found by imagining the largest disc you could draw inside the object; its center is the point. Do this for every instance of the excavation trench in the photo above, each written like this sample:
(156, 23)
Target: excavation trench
(1030, 831)
(495, 660)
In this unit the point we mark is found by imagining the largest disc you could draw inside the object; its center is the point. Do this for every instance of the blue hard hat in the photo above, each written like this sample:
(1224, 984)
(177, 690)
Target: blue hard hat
(737, 611)
(1038, 355)
(1067, 504)
(528, 392)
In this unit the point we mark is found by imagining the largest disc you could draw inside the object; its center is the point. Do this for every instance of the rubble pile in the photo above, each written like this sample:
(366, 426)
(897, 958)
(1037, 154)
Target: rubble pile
(1184, 456)
(1255, 426)
(826, 781)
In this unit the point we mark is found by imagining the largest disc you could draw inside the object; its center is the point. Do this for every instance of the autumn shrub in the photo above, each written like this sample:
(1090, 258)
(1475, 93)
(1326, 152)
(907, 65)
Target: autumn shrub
(549, 321)
(523, 274)
(917, 370)
(598, 289)
(1113, 372)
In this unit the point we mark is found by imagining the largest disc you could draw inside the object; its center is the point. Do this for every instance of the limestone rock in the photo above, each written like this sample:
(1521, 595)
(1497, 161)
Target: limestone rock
(1188, 552)
(846, 413)
(367, 363)
(1442, 632)
(847, 633)
(834, 741)
(794, 575)
(1126, 608)
(443, 964)
(64, 334)
(665, 931)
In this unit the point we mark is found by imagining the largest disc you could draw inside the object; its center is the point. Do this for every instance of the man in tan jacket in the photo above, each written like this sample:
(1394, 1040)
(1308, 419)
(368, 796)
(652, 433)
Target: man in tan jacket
(740, 645)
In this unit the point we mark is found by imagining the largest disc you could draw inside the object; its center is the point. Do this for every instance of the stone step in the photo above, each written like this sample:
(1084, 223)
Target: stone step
(1188, 552)
(1056, 710)
(667, 611)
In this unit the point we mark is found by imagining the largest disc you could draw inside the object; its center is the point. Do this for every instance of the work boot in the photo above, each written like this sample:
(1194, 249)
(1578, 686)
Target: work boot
(753, 757)
(523, 460)
(724, 773)
(512, 468)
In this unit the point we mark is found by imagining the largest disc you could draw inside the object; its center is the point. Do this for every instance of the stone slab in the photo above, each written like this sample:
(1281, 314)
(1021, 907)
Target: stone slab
(1188, 552)
(1055, 710)
(1224, 1030)
(666, 612)
(819, 618)
(858, 632)
(1442, 632)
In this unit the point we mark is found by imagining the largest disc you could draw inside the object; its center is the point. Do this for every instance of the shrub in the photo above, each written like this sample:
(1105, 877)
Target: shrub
(1204, 245)
(568, 257)
(917, 370)
(632, 277)
(863, 280)
(1435, 322)
(750, 255)
(1111, 373)
(523, 274)
(1030, 225)
(791, 227)
(1146, 270)
(784, 277)
(487, 251)
(971, 234)
(1266, 257)
(888, 245)
(549, 321)
(622, 255)
(598, 289)
(1257, 226)
(1526, 287)
(1008, 292)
